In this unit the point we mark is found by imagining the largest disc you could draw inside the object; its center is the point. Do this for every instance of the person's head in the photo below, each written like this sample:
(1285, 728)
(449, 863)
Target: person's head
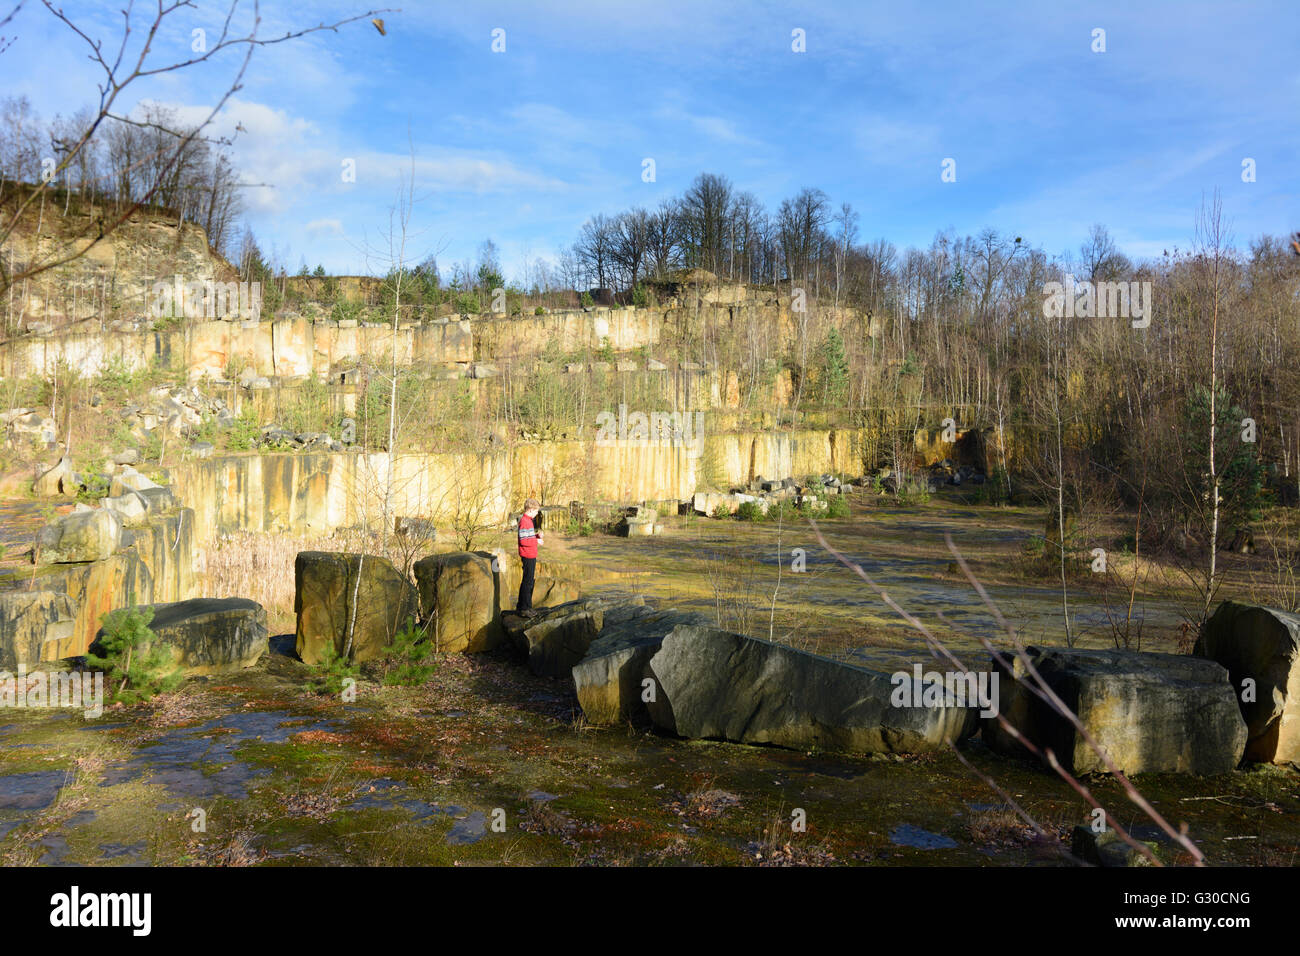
(531, 507)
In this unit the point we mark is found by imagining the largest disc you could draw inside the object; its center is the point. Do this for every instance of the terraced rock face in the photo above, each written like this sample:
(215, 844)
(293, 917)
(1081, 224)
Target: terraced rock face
(28, 619)
(715, 684)
(1260, 647)
(1152, 713)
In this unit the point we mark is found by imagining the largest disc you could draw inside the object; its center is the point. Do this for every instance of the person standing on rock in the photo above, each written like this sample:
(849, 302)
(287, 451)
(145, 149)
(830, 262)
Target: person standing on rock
(530, 539)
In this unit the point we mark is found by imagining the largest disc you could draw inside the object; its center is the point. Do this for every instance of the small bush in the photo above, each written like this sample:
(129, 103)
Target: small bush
(244, 432)
(93, 487)
(411, 658)
(783, 511)
(749, 511)
(333, 671)
(135, 667)
(837, 506)
(720, 511)
(580, 527)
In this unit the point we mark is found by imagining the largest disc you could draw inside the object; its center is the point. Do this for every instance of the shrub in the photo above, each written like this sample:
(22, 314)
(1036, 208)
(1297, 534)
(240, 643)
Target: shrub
(343, 309)
(580, 527)
(244, 432)
(837, 506)
(782, 510)
(540, 310)
(135, 667)
(411, 659)
(720, 511)
(749, 511)
(93, 487)
(333, 671)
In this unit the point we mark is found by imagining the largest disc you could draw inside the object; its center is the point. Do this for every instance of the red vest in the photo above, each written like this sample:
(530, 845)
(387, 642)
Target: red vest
(527, 537)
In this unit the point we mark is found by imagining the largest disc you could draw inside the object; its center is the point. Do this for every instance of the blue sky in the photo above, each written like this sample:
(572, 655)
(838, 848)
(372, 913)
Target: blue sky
(522, 146)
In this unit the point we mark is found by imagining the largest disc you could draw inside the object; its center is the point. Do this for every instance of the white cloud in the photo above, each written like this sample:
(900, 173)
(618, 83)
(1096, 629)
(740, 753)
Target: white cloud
(329, 227)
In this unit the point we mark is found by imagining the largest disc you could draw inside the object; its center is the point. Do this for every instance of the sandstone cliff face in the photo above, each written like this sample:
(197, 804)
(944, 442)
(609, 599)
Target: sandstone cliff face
(115, 277)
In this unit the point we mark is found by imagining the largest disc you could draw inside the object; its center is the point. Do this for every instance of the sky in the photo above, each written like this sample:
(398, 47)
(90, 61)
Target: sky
(1046, 134)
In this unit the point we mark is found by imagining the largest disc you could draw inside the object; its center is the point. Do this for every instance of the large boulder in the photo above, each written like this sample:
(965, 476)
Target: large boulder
(559, 637)
(1152, 713)
(28, 619)
(716, 684)
(610, 679)
(339, 594)
(129, 506)
(81, 536)
(1262, 646)
(211, 635)
(58, 480)
(128, 479)
(461, 593)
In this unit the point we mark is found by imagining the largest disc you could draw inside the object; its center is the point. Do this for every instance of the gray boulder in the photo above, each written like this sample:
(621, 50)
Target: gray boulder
(211, 635)
(609, 679)
(716, 684)
(1152, 713)
(559, 637)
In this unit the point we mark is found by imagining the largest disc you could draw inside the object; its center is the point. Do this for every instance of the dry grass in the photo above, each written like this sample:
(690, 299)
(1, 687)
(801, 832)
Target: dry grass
(259, 566)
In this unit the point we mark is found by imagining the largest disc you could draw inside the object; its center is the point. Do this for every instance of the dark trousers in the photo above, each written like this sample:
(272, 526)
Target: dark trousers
(526, 585)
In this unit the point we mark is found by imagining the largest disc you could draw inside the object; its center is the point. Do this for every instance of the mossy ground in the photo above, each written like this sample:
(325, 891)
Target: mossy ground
(417, 776)
(284, 775)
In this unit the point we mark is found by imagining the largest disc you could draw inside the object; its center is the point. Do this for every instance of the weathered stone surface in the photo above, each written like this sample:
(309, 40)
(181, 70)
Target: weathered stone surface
(211, 635)
(1152, 713)
(80, 536)
(1262, 645)
(631, 527)
(29, 619)
(58, 480)
(129, 506)
(128, 479)
(609, 678)
(328, 587)
(716, 684)
(558, 637)
(157, 500)
(461, 593)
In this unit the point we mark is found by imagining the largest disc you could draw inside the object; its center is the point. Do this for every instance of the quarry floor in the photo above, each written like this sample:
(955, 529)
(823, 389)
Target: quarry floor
(486, 764)
(285, 776)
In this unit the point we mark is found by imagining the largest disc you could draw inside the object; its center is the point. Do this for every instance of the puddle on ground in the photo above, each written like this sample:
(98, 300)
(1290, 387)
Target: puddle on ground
(32, 791)
(915, 837)
(200, 762)
(468, 830)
